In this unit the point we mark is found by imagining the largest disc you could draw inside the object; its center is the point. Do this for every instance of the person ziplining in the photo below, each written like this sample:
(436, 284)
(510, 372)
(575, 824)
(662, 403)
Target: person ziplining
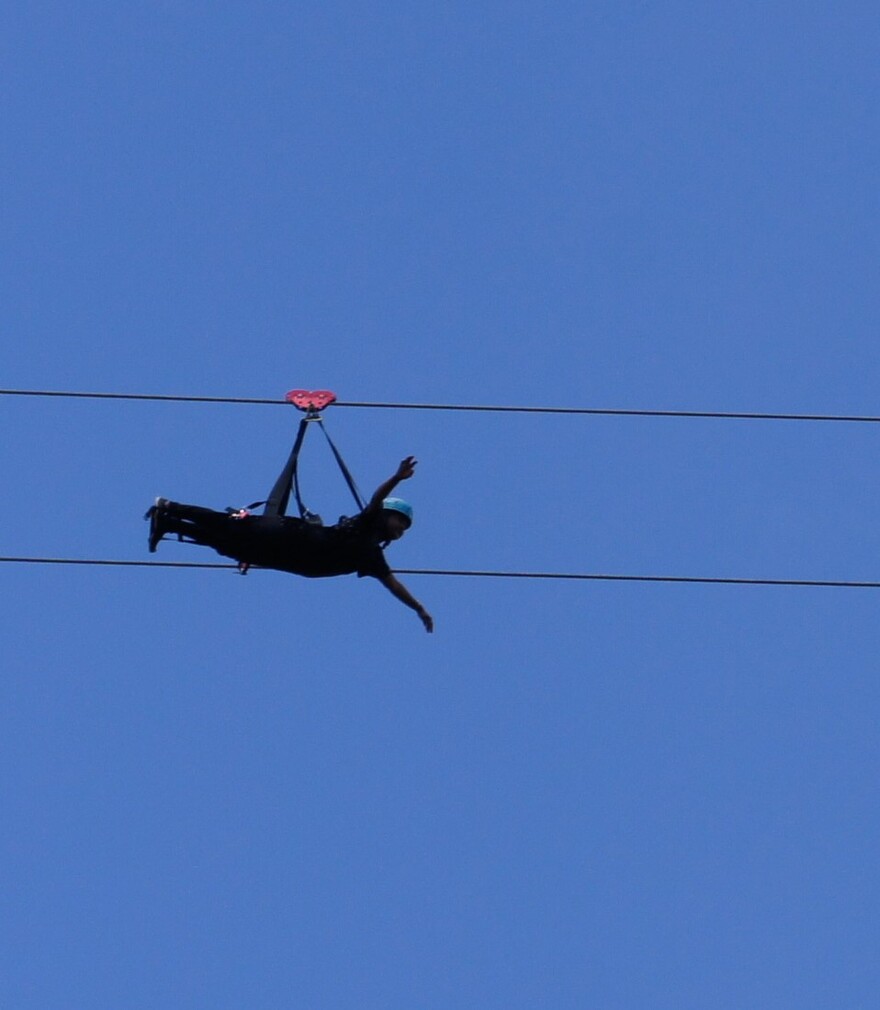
(301, 546)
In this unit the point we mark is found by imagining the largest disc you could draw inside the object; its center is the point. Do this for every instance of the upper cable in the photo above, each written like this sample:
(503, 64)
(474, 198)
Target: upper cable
(486, 408)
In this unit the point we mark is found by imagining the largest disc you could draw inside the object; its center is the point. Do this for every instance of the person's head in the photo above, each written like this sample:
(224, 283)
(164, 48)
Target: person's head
(397, 516)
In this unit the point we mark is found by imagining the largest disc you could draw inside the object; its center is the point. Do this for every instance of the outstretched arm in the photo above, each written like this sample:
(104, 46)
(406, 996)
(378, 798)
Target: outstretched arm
(406, 469)
(398, 589)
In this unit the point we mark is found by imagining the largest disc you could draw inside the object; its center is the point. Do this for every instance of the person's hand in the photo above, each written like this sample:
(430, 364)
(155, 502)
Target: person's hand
(406, 469)
(427, 620)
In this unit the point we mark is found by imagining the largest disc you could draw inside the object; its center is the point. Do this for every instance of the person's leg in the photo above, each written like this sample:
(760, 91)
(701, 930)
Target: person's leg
(197, 533)
(255, 539)
(200, 525)
(267, 541)
(195, 513)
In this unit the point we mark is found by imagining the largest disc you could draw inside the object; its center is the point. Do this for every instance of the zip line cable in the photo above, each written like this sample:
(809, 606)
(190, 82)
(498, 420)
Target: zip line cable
(485, 408)
(564, 576)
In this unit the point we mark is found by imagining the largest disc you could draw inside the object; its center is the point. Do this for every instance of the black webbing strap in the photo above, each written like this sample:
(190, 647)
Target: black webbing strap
(304, 513)
(279, 496)
(361, 504)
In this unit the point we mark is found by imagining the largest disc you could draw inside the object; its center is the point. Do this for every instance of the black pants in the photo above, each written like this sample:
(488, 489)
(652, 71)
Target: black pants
(267, 541)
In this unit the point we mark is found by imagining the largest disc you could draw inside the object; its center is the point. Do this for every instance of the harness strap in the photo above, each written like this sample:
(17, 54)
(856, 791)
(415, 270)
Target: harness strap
(352, 486)
(279, 496)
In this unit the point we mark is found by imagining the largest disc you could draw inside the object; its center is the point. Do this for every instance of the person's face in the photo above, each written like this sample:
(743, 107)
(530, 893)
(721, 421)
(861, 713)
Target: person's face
(395, 525)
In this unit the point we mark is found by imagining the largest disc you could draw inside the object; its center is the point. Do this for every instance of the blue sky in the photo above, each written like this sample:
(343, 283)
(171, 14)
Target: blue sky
(271, 792)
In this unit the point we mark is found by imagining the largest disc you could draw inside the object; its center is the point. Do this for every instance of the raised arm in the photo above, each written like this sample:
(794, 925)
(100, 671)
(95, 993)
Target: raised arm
(398, 589)
(406, 469)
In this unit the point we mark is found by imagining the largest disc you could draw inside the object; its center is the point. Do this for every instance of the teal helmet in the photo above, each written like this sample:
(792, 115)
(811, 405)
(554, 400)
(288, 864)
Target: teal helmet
(401, 506)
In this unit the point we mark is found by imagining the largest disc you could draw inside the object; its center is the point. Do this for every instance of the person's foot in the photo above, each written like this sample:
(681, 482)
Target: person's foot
(156, 514)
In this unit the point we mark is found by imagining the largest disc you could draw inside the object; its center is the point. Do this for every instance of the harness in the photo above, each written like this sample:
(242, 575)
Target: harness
(311, 403)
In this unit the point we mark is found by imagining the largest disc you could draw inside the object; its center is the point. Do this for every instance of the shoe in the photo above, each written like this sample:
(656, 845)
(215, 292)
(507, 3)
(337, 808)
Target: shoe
(156, 513)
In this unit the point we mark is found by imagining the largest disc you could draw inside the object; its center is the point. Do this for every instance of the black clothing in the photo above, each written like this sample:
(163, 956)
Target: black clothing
(283, 542)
